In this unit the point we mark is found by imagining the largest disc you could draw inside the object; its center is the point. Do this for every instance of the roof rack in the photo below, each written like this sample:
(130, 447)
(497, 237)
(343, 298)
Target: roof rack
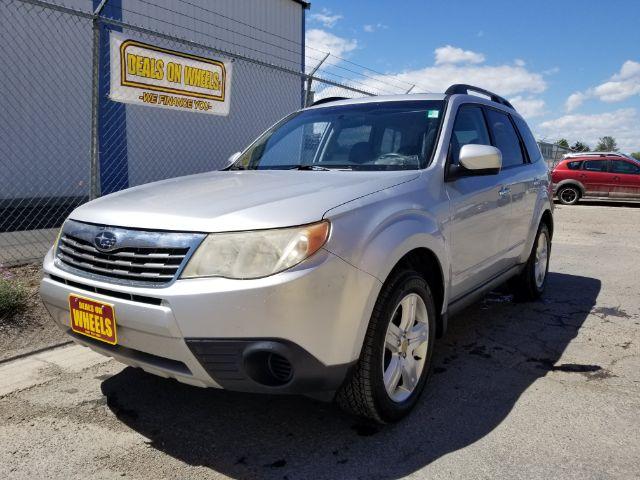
(327, 100)
(465, 89)
(595, 154)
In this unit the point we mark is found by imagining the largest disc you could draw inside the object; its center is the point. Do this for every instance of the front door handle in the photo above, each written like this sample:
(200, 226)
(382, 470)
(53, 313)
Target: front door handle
(504, 191)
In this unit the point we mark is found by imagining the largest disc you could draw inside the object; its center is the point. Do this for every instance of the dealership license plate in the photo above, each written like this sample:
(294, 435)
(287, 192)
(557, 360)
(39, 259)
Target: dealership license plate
(93, 318)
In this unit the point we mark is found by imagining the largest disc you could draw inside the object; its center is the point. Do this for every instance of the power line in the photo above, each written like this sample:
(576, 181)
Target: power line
(253, 27)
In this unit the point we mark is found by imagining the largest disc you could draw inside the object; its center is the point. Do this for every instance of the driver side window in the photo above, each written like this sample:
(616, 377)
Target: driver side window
(469, 128)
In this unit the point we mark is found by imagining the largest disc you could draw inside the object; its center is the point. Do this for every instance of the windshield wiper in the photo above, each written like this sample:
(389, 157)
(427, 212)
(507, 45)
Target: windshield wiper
(310, 167)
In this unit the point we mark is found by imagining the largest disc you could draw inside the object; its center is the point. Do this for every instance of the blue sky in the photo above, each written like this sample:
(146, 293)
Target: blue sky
(572, 68)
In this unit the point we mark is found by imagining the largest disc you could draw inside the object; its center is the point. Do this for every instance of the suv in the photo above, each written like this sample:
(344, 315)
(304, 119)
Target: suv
(596, 174)
(325, 259)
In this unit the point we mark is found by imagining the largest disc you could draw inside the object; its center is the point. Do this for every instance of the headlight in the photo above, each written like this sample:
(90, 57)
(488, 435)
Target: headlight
(57, 240)
(257, 253)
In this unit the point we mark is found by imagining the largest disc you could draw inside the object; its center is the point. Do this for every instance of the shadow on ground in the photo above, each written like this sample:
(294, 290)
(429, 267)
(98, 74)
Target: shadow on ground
(604, 203)
(492, 353)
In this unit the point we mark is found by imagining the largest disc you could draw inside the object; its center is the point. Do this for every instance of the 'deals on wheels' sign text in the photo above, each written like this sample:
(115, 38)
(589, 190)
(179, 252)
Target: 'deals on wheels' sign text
(150, 75)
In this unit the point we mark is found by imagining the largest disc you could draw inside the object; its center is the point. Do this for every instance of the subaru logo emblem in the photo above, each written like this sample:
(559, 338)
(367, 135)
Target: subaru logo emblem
(105, 240)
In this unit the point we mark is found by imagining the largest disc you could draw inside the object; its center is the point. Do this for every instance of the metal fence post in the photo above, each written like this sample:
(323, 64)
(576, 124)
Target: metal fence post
(95, 105)
(307, 97)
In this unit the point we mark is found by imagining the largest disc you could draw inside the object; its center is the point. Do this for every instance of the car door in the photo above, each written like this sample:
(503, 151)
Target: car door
(479, 211)
(596, 178)
(518, 177)
(626, 179)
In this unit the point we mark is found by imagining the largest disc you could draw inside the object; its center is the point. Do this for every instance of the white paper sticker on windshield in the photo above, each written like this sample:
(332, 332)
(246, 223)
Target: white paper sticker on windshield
(433, 113)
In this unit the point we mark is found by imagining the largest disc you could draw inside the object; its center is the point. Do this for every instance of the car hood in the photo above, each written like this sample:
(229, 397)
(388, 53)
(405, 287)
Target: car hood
(236, 200)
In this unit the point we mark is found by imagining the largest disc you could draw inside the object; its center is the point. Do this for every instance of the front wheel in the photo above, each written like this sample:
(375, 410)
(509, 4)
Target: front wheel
(395, 360)
(529, 285)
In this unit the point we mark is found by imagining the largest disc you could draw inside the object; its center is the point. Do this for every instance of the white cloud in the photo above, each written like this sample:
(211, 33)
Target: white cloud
(519, 62)
(575, 100)
(551, 71)
(317, 39)
(326, 18)
(506, 80)
(622, 85)
(529, 107)
(449, 55)
(372, 28)
(622, 124)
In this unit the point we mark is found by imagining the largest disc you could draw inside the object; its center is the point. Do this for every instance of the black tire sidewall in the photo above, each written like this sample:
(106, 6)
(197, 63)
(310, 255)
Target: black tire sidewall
(408, 282)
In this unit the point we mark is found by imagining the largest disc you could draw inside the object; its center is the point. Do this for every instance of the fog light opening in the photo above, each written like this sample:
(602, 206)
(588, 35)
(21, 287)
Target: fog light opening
(268, 368)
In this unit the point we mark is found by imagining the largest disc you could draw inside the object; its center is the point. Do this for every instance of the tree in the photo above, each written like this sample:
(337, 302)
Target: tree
(562, 142)
(607, 144)
(580, 147)
(636, 155)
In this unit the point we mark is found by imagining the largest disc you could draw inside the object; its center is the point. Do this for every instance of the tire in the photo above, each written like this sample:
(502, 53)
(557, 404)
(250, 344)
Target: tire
(529, 285)
(364, 392)
(569, 195)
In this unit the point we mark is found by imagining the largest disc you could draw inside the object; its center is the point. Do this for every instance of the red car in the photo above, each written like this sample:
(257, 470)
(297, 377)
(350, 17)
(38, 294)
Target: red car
(598, 175)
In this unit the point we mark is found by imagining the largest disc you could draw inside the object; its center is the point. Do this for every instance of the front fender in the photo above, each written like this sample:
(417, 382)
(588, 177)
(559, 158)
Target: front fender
(376, 233)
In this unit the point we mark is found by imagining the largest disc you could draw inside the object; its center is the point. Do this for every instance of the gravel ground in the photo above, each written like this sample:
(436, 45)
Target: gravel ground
(549, 389)
(31, 328)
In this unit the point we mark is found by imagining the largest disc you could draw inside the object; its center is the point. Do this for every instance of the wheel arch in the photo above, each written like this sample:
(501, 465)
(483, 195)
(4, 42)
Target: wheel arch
(426, 263)
(571, 183)
(547, 218)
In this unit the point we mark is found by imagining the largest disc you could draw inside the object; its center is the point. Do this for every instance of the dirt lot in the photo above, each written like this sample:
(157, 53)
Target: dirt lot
(31, 328)
(549, 389)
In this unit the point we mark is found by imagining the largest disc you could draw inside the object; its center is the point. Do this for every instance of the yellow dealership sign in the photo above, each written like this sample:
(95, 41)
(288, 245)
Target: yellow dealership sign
(145, 74)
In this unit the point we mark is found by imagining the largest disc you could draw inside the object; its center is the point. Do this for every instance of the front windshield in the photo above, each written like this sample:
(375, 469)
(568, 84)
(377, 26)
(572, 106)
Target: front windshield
(369, 136)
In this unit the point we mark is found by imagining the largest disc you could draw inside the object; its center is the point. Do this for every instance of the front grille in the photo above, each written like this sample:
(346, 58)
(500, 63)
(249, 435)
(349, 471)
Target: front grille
(139, 256)
(150, 264)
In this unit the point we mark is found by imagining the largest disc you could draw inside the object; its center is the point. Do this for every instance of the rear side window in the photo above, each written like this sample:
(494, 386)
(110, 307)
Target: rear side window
(620, 166)
(469, 128)
(505, 138)
(529, 141)
(595, 165)
(575, 165)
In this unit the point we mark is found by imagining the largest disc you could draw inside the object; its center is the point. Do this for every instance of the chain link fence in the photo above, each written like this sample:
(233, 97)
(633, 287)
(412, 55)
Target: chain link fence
(553, 153)
(63, 141)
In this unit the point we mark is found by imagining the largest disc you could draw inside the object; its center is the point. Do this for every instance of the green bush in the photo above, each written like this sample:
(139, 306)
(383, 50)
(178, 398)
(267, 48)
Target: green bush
(13, 297)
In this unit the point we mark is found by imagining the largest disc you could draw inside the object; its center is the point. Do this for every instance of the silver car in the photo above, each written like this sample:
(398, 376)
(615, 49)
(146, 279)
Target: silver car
(326, 259)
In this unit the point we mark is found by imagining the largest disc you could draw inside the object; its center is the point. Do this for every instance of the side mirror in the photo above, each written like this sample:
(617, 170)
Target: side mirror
(482, 159)
(231, 160)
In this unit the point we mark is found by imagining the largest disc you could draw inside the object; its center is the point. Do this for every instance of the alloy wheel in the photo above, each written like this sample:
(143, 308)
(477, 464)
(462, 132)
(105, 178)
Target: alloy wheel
(405, 347)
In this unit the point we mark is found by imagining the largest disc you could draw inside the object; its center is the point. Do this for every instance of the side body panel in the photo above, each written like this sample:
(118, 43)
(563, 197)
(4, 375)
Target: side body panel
(625, 185)
(597, 184)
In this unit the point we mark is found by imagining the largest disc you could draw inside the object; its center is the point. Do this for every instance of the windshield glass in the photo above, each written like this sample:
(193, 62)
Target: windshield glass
(371, 136)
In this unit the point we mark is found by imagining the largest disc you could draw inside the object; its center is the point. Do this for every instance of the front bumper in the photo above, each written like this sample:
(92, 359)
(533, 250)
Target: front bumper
(218, 332)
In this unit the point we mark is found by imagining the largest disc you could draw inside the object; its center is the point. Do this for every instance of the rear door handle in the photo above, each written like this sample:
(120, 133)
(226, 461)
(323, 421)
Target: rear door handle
(537, 182)
(504, 191)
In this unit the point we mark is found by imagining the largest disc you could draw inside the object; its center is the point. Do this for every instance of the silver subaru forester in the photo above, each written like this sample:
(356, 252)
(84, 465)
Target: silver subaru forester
(325, 259)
